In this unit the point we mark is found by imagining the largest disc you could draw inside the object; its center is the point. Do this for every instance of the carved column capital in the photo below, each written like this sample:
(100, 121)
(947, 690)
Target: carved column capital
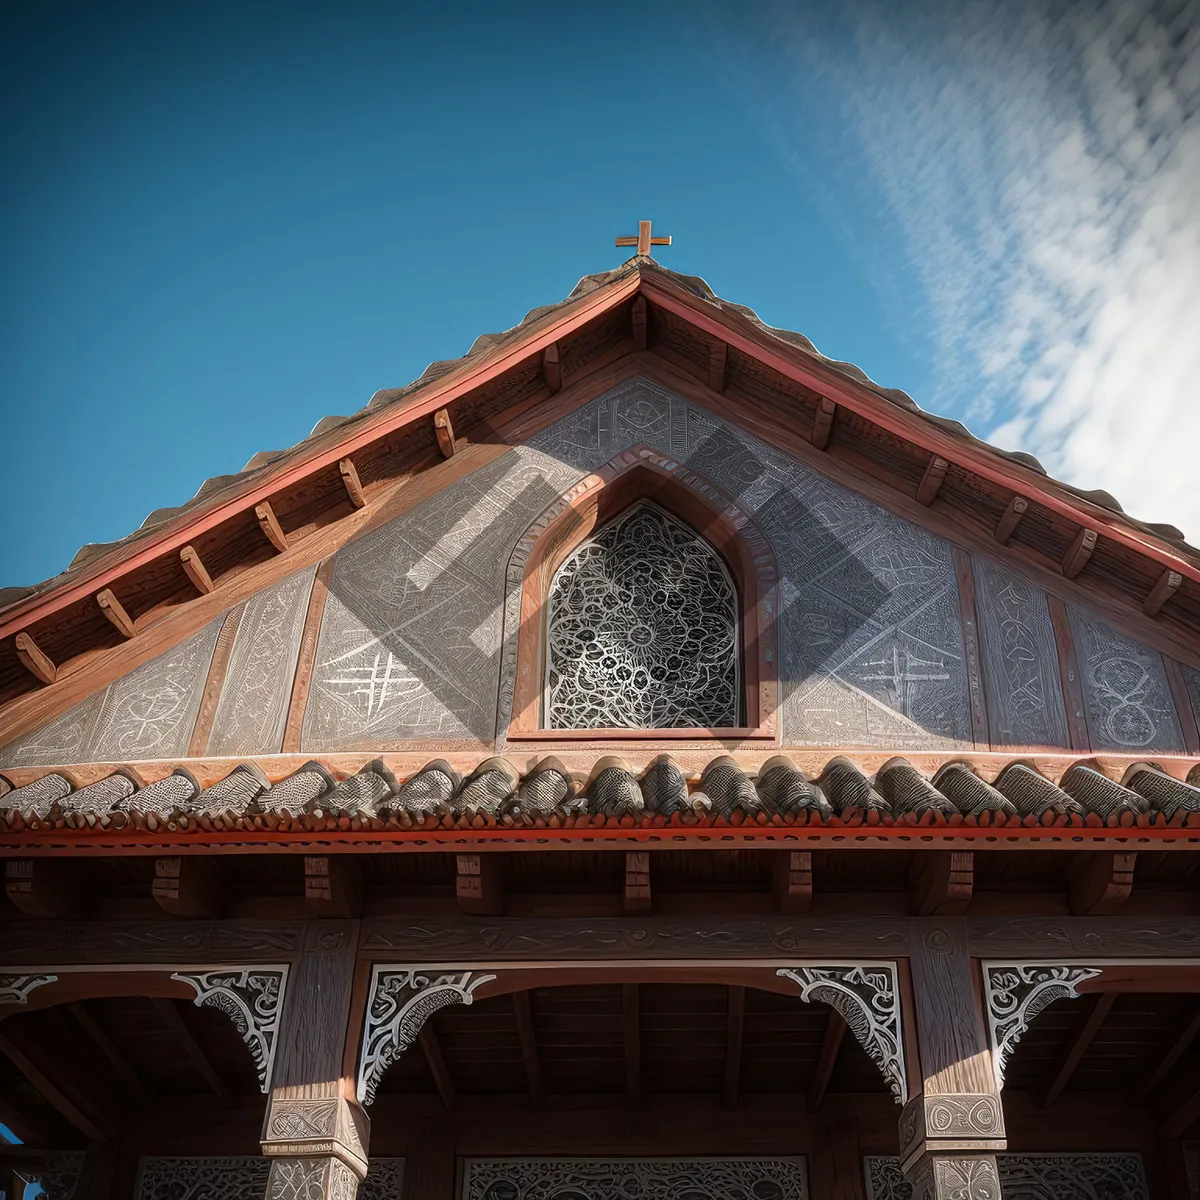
(963, 1121)
(317, 1126)
(955, 1177)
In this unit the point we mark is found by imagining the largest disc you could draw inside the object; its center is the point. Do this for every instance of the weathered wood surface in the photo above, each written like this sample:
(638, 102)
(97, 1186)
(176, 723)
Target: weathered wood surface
(1084, 937)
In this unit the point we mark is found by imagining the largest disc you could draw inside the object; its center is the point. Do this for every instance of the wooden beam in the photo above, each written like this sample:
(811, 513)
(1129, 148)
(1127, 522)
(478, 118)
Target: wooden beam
(351, 482)
(1181, 1120)
(1167, 585)
(1010, 518)
(93, 1119)
(114, 610)
(128, 1077)
(552, 368)
(792, 883)
(442, 1079)
(1078, 553)
(632, 1021)
(638, 317)
(269, 523)
(735, 1026)
(1180, 1043)
(479, 884)
(189, 887)
(168, 1010)
(823, 422)
(718, 363)
(195, 570)
(931, 481)
(333, 885)
(444, 428)
(1100, 883)
(835, 1031)
(523, 1012)
(28, 1128)
(637, 900)
(942, 882)
(42, 887)
(1076, 1045)
(33, 660)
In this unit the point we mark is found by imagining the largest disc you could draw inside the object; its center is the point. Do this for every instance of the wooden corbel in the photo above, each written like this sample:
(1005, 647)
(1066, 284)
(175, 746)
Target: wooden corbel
(823, 422)
(333, 885)
(1101, 883)
(637, 900)
(552, 368)
(195, 570)
(718, 362)
(479, 884)
(42, 887)
(189, 887)
(931, 481)
(33, 660)
(444, 428)
(1010, 518)
(942, 882)
(1079, 552)
(1163, 590)
(792, 882)
(269, 523)
(639, 323)
(114, 610)
(351, 482)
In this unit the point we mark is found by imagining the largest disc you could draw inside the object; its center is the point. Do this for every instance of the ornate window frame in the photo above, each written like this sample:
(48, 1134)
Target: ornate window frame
(638, 475)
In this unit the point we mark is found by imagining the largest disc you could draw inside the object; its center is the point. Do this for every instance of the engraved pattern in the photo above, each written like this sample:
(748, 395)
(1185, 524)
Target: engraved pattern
(628, 1178)
(973, 1116)
(60, 1176)
(1025, 705)
(401, 999)
(1033, 1177)
(1015, 993)
(643, 630)
(15, 989)
(252, 998)
(244, 1179)
(866, 996)
(146, 714)
(1126, 694)
(252, 711)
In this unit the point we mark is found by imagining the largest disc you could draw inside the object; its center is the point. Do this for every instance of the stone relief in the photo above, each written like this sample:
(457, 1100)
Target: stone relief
(625, 1178)
(1020, 656)
(1125, 689)
(253, 708)
(146, 714)
(1033, 1177)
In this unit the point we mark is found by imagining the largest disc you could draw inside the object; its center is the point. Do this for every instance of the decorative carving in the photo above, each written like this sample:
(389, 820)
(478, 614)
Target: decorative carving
(252, 998)
(243, 1178)
(252, 711)
(316, 1126)
(866, 996)
(958, 1121)
(311, 1179)
(623, 1178)
(642, 630)
(1036, 937)
(15, 989)
(946, 1177)
(1033, 1177)
(1015, 993)
(400, 1001)
(59, 1178)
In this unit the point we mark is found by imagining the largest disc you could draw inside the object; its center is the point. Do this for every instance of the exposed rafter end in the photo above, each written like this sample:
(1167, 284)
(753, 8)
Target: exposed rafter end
(792, 885)
(42, 887)
(1018, 506)
(942, 883)
(823, 422)
(718, 363)
(1101, 884)
(114, 610)
(1079, 552)
(34, 660)
(269, 523)
(188, 887)
(195, 570)
(552, 368)
(444, 428)
(333, 885)
(638, 314)
(1167, 585)
(479, 884)
(352, 483)
(931, 481)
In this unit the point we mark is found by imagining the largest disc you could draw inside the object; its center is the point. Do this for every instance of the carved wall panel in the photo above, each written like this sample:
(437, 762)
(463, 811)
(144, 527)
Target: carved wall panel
(1127, 697)
(243, 1178)
(625, 1178)
(1033, 1177)
(253, 708)
(1020, 658)
(146, 714)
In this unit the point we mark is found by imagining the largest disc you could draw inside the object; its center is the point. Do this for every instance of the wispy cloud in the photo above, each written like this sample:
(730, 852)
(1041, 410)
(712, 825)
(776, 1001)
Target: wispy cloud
(1042, 162)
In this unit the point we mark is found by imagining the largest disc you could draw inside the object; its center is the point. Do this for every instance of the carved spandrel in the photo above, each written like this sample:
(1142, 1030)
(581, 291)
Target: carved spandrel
(15, 989)
(1025, 704)
(252, 711)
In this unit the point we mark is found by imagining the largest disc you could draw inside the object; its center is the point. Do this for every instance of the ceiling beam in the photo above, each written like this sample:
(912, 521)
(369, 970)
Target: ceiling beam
(632, 1022)
(1183, 1039)
(170, 1014)
(523, 1011)
(129, 1078)
(835, 1031)
(735, 1026)
(1181, 1120)
(442, 1078)
(1076, 1045)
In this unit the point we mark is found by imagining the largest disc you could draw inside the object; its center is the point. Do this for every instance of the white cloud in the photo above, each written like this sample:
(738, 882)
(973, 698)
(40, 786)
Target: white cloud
(1043, 163)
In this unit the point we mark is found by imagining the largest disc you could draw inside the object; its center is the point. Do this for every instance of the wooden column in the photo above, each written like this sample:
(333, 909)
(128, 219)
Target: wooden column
(950, 1131)
(315, 1132)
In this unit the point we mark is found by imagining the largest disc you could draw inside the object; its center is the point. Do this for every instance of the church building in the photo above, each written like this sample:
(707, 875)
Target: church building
(643, 759)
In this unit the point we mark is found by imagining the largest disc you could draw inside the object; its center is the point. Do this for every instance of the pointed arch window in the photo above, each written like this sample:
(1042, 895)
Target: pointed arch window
(643, 630)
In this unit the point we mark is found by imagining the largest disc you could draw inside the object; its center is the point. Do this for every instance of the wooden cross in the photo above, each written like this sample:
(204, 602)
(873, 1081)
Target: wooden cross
(643, 241)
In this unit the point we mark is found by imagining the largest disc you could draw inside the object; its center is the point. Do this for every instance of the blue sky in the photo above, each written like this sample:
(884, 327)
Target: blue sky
(225, 221)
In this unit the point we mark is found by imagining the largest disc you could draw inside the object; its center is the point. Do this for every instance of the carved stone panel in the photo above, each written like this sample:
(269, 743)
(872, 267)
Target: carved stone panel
(252, 711)
(1126, 694)
(1020, 658)
(624, 1178)
(1033, 1177)
(146, 714)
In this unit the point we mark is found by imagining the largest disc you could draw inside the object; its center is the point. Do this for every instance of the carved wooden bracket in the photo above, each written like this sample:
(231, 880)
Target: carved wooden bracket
(15, 989)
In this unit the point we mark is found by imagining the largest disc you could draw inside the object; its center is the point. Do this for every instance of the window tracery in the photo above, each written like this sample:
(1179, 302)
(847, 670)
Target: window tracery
(643, 630)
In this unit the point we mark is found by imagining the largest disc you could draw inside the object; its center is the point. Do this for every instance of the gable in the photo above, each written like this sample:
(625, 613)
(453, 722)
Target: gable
(414, 625)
